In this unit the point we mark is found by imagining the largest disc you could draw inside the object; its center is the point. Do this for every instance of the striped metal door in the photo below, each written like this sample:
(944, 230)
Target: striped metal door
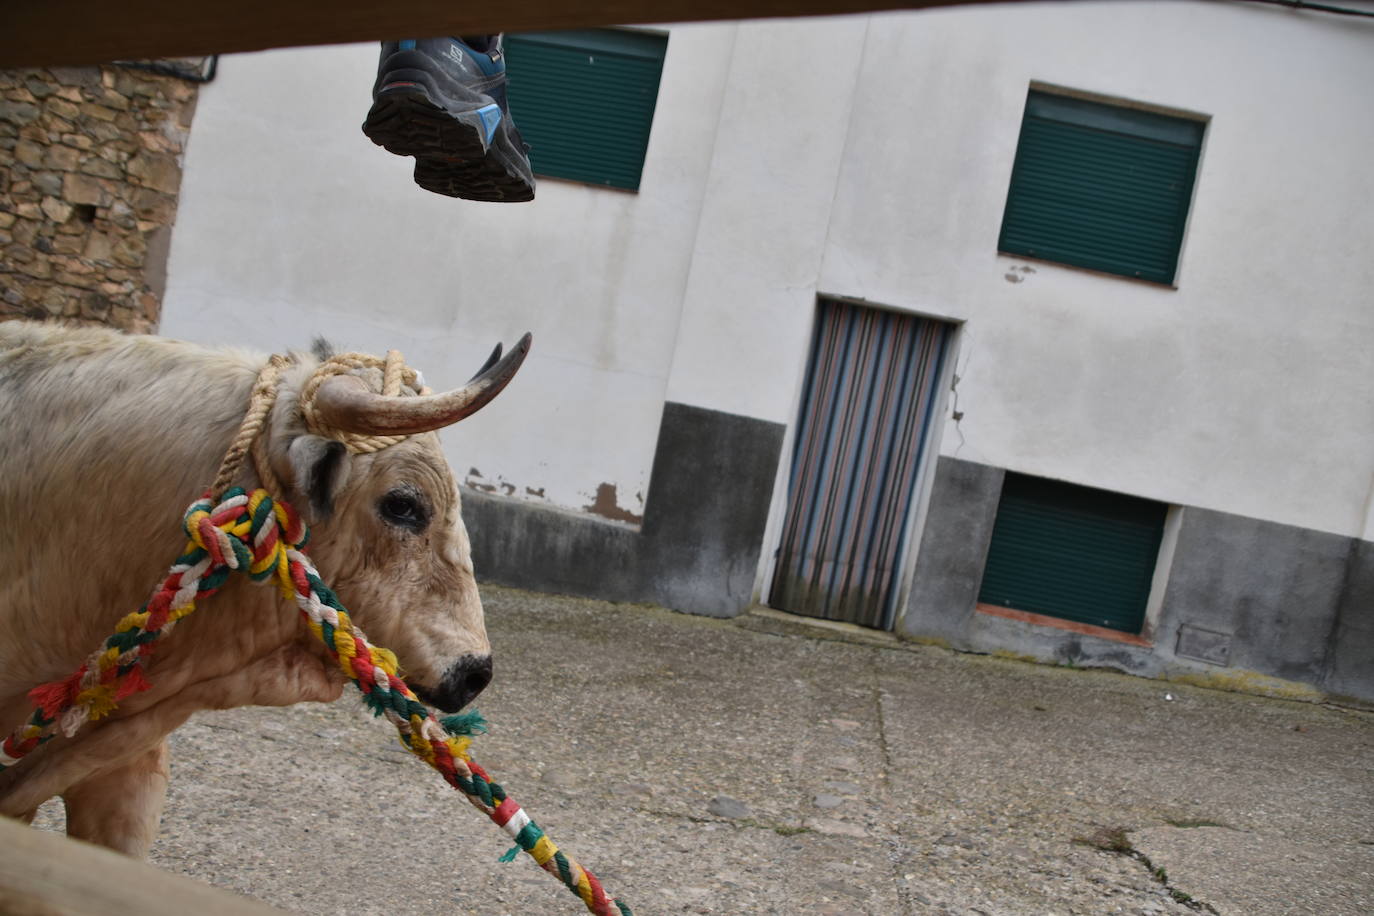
(866, 421)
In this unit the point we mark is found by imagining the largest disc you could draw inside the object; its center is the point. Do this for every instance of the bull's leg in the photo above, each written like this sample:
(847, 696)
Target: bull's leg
(292, 674)
(66, 762)
(120, 807)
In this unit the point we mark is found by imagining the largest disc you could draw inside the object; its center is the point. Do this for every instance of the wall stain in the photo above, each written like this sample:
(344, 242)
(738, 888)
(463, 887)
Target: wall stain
(605, 504)
(474, 481)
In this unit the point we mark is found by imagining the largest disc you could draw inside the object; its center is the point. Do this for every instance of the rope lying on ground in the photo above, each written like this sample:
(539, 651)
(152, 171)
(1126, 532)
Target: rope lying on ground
(264, 538)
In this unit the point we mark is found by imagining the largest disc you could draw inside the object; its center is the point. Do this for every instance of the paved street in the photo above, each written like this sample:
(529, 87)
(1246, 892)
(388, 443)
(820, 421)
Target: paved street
(703, 766)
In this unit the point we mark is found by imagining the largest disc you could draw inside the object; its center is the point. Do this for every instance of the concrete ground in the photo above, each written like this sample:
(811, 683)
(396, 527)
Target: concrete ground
(757, 766)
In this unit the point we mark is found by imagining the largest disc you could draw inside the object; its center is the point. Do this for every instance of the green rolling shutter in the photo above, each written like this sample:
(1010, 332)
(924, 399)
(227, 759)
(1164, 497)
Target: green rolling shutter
(1101, 186)
(584, 101)
(1073, 552)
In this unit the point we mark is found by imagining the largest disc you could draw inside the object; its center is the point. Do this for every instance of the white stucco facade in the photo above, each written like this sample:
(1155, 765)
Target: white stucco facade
(293, 225)
(1245, 389)
(865, 157)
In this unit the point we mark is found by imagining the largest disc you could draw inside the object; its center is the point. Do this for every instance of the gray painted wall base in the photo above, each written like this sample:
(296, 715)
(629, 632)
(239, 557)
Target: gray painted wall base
(954, 550)
(1350, 655)
(1243, 596)
(698, 548)
(1275, 590)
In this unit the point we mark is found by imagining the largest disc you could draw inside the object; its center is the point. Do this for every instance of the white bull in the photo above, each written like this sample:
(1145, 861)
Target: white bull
(104, 440)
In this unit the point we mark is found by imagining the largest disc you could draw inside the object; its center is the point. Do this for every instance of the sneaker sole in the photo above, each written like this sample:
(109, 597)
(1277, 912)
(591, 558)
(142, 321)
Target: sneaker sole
(453, 155)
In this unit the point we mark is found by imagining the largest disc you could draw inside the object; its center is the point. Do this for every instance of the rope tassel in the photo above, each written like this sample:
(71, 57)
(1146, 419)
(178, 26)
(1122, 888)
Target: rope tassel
(263, 538)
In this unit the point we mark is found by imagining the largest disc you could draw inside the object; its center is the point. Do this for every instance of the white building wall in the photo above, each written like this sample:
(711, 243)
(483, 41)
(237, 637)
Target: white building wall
(752, 288)
(1248, 388)
(293, 224)
(865, 157)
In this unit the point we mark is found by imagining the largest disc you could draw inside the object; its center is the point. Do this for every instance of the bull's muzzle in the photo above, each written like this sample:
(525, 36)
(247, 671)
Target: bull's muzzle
(463, 680)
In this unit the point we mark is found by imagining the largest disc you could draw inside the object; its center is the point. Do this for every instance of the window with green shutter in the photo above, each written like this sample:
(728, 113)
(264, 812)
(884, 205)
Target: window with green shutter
(1101, 186)
(1073, 552)
(584, 101)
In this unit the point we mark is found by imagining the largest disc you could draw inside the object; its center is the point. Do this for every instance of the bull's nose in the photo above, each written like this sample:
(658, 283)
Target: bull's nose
(464, 679)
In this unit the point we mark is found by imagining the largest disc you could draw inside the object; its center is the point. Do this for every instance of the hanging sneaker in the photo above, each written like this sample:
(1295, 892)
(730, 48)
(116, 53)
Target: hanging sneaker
(443, 101)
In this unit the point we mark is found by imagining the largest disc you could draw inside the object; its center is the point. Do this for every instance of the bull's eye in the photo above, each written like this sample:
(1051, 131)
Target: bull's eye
(403, 508)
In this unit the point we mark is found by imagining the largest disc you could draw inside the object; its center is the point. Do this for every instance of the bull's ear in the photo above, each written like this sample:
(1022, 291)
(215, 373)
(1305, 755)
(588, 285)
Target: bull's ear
(319, 469)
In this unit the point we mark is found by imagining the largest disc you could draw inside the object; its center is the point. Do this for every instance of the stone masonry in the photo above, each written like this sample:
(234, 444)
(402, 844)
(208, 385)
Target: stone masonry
(89, 173)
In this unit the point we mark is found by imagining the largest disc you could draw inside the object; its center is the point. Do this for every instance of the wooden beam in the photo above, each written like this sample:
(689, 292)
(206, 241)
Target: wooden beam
(50, 32)
(42, 872)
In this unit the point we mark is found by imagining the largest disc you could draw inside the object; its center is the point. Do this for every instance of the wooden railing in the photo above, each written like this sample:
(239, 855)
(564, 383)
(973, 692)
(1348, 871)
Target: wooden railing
(43, 873)
(86, 32)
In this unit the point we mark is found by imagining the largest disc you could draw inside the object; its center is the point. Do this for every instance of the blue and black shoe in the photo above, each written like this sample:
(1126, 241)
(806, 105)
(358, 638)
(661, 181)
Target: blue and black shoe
(443, 101)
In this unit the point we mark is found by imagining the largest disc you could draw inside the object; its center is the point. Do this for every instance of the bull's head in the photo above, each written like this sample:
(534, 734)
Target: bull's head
(387, 530)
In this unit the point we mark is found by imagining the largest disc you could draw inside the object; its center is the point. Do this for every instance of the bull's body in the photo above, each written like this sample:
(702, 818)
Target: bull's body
(104, 440)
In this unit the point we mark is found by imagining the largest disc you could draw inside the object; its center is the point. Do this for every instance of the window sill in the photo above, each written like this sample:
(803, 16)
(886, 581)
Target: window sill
(1085, 629)
(1105, 274)
(584, 183)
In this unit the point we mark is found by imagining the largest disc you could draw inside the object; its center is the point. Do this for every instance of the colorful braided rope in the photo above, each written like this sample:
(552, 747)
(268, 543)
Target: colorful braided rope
(254, 534)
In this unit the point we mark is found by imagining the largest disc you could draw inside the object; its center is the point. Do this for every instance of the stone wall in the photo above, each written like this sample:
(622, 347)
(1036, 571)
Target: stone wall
(89, 174)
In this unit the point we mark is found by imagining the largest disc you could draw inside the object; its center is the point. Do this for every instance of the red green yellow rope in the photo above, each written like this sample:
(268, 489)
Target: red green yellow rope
(266, 539)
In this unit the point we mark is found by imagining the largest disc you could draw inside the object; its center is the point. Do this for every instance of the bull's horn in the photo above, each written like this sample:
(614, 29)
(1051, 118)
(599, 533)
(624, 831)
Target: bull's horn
(344, 402)
(491, 361)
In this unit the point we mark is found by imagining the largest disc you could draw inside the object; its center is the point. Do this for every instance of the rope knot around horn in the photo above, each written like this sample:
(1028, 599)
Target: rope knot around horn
(337, 403)
(395, 374)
